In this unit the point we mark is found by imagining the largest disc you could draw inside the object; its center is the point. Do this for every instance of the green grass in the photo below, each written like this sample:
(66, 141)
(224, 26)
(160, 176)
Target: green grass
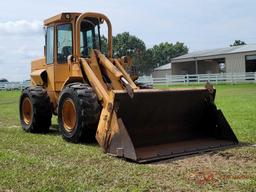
(45, 162)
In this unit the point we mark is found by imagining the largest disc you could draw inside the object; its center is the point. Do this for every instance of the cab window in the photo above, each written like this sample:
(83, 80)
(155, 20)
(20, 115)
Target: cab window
(88, 38)
(49, 45)
(64, 40)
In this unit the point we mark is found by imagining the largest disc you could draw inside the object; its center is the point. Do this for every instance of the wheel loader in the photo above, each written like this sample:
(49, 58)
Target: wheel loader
(95, 97)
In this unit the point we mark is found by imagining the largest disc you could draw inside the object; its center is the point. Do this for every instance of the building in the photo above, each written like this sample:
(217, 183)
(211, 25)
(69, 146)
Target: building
(230, 60)
(162, 71)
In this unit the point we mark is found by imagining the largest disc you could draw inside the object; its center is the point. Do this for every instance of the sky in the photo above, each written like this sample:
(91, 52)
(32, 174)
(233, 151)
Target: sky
(200, 24)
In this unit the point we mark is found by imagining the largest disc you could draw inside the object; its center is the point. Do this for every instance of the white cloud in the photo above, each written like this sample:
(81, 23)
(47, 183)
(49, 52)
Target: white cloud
(28, 52)
(21, 27)
(17, 54)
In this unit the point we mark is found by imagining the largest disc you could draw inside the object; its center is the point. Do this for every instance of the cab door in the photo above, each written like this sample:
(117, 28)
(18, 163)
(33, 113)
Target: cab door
(64, 48)
(50, 57)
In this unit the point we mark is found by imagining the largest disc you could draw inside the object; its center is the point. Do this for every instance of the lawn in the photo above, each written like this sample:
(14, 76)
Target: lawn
(45, 162)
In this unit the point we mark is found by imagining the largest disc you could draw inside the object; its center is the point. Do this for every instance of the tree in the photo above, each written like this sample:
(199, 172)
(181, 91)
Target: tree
(126, 44)
(237, 43)
(3, 80)
(145, 60)
(164, 52)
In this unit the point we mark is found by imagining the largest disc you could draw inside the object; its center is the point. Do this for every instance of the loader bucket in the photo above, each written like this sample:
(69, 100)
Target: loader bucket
(160, 124)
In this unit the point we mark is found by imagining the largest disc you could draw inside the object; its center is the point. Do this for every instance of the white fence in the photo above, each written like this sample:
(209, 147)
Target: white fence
(218, 78)
(13, 85)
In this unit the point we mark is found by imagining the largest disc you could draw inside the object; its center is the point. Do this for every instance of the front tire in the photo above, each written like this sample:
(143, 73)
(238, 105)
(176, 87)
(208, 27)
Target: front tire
(35, 110)
(78, 113)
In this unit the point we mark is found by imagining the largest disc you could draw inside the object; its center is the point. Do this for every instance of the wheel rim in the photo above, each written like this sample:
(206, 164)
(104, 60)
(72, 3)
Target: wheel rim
(27, 111)
(69, 115)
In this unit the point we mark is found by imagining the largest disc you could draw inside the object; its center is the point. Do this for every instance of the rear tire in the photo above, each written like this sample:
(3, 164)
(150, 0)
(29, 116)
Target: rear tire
(78, 113)
(35, 110)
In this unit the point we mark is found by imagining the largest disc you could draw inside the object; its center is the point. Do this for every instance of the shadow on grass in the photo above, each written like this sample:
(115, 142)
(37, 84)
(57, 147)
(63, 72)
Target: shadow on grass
(54, 130)
(88, 140)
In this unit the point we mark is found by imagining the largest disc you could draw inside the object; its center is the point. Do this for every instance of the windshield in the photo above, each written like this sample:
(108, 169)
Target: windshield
(89, 37)
(64, 37)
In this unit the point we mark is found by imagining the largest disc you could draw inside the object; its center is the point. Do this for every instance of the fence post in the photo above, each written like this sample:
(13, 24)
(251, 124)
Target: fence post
(169, 80)
(166, 80)
(198, 77)
(151, 79)
(255, 77)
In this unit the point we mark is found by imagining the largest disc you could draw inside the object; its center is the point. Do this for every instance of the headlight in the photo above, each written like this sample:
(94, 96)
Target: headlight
(68, 16)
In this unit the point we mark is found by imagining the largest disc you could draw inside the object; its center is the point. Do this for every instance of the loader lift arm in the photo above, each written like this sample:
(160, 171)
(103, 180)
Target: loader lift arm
(107, 95)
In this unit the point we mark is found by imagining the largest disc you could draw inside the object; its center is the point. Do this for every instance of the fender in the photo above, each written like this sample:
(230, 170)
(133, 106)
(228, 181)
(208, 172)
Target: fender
(72, 79)
(39, 77)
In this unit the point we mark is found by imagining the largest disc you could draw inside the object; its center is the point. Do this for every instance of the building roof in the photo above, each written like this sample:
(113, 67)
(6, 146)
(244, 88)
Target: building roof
(216, 52)
(163, 67)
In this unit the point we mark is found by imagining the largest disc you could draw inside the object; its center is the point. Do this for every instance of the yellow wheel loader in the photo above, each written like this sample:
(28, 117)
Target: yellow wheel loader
(94, 96)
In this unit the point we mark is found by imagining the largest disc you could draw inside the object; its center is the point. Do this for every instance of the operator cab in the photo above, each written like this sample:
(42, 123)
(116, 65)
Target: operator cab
(60, 35)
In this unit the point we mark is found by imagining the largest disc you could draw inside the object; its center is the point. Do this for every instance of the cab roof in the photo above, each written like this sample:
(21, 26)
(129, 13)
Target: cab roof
(65, 16)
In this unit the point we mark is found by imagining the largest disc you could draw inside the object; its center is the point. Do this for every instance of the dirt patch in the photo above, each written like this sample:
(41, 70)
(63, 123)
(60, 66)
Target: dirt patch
(215, 168)
(204, 177)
